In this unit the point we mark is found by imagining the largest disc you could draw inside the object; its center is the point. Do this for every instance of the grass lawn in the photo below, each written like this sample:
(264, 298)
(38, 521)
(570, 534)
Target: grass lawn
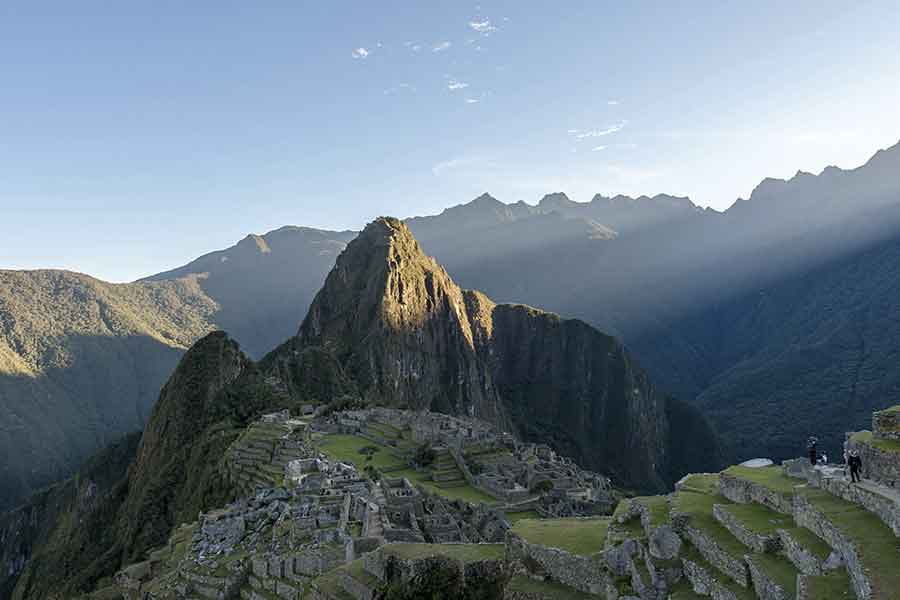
(807, 539)
(346, 448)
(759, 519)
(699, 509)
(515, 517)
(464, 492)
(876, 544)
(703, 483)
(462, 552)
(574, 535)
(834, 586)
(779, 570)
(772, 477)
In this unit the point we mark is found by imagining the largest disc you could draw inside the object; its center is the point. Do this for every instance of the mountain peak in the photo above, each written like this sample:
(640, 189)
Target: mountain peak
(383, 229)
(485, 199)
(556, 200)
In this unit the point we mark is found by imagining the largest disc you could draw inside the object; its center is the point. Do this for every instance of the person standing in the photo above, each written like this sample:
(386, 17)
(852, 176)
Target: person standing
(855, 463)
(811, 445)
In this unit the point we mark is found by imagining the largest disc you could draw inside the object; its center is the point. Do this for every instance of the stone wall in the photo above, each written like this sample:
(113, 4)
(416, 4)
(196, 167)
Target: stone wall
(744, 492)
(886, 423)
(806, 515)
(879, 465)
(757, 541)
(880, 503)
(733, 566)
(763, 585)
(583, 573)
(805, 561)
(705, 582)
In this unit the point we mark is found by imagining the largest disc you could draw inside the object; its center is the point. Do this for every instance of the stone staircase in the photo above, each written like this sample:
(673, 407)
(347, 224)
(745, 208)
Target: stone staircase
(445, 472)
(257, 459)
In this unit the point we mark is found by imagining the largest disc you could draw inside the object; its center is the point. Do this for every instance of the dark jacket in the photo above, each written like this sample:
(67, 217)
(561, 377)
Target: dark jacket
(854, 462)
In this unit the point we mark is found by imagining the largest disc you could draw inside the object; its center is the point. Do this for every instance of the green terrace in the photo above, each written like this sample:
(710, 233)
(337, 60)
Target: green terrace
(445, 481)
(772, 478)
(699, 494)
(521, 584)
(868, 438)
(347, 448)
(467, 553)
(741, 593)
(832, 586)
(581, 536)
(704, 483)
(877, 546)
(698, 508)
(515, 516)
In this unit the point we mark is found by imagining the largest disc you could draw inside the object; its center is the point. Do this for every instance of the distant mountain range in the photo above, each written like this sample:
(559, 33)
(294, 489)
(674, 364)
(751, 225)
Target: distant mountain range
(775, 317)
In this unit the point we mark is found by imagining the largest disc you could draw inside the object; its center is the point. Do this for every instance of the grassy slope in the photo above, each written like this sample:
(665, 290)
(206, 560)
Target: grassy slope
(577, 536)
(875, 542)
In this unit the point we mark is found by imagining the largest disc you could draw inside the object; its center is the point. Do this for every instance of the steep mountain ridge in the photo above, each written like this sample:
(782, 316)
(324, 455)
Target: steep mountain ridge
(411, 337)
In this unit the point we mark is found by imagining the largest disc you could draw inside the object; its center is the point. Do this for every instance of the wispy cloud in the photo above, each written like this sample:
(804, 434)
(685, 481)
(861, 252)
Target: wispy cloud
(482, 26)
(461, 164)
(447, 165)
(401, 87)
(598, 148)
(359, 52)
(453, 84)
(441, 46)
(612, 102)
(580, 135)
(413, 46)
(471, 100)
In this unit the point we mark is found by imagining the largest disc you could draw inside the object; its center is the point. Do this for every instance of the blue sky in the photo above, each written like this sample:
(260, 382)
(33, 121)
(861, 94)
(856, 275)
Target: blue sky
(137, 136)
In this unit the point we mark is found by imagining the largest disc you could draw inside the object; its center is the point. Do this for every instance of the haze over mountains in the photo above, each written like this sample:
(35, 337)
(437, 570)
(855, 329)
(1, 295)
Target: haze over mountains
(775, 317)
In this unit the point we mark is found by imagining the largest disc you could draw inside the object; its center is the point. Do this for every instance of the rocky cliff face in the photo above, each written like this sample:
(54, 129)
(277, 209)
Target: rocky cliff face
(411, 337)
(399, 325)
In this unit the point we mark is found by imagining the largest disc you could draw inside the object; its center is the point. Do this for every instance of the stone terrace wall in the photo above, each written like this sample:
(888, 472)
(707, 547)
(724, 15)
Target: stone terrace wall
(886, 423)
(806, 515)
(877, 464)
(744, 492)
(583, 573)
